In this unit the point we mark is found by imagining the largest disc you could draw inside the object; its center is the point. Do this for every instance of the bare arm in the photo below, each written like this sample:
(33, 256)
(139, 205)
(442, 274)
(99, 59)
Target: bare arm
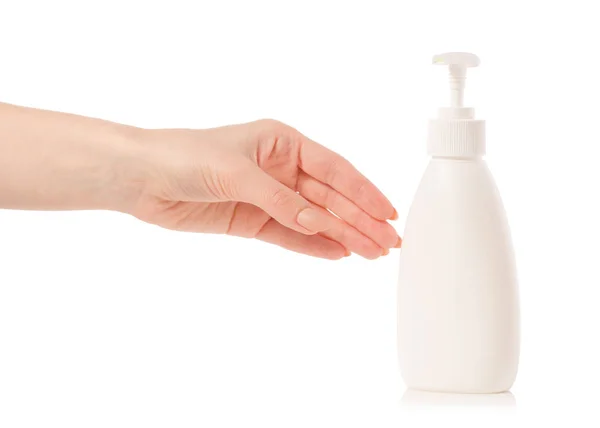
(58, 161)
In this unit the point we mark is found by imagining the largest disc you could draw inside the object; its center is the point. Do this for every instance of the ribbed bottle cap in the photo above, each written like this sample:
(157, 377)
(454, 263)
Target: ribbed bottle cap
(456, 138)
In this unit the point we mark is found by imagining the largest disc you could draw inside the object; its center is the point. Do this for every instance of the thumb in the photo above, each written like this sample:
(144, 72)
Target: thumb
(282, 203)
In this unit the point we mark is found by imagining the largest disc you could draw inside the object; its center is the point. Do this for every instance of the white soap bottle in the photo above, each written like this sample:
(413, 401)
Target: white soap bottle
(458, 304)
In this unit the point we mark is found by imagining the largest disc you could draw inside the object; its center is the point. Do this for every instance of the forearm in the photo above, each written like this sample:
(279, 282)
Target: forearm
(58, 161)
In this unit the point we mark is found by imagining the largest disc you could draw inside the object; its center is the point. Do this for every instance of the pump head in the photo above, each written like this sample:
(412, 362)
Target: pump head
(457, 63)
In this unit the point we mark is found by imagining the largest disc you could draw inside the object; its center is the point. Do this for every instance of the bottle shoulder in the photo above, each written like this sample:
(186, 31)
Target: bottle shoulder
(457, 194)
(445, 178)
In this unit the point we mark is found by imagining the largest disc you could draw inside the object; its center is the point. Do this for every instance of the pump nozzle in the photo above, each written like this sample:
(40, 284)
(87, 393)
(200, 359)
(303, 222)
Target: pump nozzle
(457, 63)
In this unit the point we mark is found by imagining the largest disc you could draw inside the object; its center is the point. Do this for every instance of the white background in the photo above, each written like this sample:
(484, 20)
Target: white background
(107, 321)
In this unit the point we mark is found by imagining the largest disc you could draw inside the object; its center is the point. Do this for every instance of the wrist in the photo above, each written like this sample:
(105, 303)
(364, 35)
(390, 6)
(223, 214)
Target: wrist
(127, 169)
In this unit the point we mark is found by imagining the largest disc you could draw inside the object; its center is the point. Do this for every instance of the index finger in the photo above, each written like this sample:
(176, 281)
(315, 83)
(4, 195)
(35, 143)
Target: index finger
(336, 171)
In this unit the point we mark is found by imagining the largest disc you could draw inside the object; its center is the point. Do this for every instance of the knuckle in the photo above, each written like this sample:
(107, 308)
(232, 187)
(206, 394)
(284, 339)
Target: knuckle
(358, 219)
(333, 170)
(343, 234)
(331, 198)
(280, 198)
(361, 189)
(338, 168)
(270, 124)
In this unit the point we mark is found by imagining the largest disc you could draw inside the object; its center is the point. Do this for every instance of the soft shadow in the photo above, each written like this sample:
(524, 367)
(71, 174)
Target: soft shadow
(413, 398)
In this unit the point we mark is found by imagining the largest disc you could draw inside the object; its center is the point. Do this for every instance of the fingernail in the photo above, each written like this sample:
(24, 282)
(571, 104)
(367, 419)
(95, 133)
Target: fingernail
(312, 220)
(394, 215)
(399, 243)
(386, 251)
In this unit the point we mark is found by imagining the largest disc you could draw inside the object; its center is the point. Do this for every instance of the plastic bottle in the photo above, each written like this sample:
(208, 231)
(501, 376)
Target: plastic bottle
(458, 305)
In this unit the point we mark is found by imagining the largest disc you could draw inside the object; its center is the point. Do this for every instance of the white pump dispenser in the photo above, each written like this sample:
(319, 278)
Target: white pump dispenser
(456, 133)
(458, 309)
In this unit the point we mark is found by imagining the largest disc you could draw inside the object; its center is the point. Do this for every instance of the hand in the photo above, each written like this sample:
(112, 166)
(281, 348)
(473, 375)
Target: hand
(263, 180)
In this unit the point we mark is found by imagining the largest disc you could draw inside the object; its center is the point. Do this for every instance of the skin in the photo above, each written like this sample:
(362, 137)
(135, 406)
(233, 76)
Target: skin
(262, 180)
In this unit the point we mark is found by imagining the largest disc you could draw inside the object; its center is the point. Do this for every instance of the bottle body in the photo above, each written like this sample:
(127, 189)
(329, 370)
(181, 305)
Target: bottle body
(458, 304)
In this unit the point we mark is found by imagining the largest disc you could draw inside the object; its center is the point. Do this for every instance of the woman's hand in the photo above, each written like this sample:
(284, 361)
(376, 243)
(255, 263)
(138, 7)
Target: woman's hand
(262, 180)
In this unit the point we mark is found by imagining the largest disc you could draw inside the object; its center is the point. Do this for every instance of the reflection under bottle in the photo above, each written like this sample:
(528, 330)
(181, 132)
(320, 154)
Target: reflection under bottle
(413, 397)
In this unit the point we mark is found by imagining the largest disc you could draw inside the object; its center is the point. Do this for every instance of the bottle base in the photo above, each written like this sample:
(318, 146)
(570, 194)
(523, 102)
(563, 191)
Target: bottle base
(451, 390)
(412, 397)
